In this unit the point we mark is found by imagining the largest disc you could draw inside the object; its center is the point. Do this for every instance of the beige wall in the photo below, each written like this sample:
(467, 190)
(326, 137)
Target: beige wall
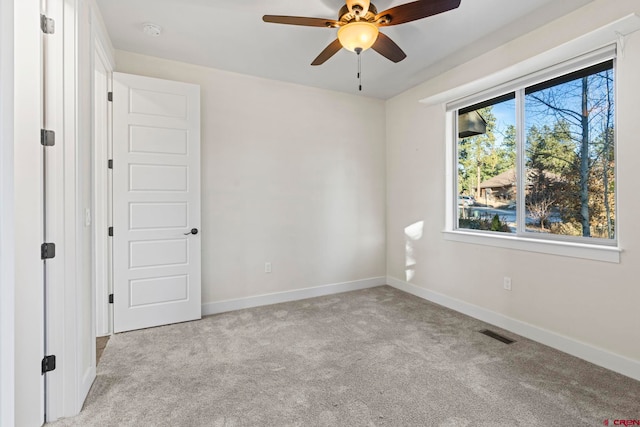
(291, 175)
(592, 302)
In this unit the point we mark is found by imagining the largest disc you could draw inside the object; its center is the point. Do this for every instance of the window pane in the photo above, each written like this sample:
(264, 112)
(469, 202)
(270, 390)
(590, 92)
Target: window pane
(487, 166)
(570, 162)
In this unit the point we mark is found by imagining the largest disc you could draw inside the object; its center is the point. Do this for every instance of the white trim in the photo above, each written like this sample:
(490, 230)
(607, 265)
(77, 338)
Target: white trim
(28, 345)
(552, 247)
(286, 296)
(84, 292)
(55, 205)
(101, 35)
(524, 81)
(68, 334)
(595, 355)
(596, 39)
(87, 381)
(451, 168)
(7, 235)
(101, 218)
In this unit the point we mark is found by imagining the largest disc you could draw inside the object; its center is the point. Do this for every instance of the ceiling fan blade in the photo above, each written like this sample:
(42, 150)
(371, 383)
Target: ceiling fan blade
(328, 52)
(300, 20)
(416, 10)
(388, 48)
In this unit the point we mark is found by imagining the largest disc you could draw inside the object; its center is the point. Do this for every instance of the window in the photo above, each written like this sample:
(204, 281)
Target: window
(537, 159)
(487, 184)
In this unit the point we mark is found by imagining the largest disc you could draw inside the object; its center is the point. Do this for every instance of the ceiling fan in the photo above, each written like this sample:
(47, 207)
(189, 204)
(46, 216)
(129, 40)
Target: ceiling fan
(358, 22)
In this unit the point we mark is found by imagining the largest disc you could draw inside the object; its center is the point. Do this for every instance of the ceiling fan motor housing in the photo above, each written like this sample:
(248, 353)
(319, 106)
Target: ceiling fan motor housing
(346, 15)
(358, 7)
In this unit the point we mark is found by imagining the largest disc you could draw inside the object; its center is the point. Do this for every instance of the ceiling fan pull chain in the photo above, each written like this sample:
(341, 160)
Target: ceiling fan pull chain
(359, 51)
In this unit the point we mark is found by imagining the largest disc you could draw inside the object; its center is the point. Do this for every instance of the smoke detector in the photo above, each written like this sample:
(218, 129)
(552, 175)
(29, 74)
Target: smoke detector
(152, 30)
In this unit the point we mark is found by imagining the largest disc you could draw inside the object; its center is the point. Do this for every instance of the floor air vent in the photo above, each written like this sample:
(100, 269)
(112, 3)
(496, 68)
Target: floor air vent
(497, 336)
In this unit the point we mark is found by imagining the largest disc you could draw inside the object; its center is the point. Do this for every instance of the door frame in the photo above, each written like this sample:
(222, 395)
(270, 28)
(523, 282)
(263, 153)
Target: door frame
(65, 224)
(54, 207)
(7, 236)
(22, 325)
(102, 185)
(71, 310)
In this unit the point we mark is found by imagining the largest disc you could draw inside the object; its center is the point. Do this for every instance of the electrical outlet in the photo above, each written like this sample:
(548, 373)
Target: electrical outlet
(507, 283)
(267, 267)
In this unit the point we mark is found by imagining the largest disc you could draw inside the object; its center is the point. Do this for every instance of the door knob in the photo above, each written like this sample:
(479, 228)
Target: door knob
(193, 231)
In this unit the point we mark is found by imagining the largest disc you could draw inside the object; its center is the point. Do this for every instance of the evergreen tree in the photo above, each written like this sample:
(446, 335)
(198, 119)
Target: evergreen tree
(580, 112)
(484, 156)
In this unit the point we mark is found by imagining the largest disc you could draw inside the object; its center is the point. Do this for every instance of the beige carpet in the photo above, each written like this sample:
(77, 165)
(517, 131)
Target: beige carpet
(377, 357)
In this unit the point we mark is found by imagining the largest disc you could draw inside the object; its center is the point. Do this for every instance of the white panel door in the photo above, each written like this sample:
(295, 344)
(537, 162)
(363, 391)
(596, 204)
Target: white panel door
(156, 202)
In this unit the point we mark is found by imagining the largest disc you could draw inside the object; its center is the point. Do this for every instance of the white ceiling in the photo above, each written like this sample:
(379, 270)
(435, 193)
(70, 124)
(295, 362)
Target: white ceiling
(230, 35)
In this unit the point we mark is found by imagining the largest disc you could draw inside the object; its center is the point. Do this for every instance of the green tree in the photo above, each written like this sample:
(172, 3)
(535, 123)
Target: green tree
(481, 157)
(549, 156)
(583, 109)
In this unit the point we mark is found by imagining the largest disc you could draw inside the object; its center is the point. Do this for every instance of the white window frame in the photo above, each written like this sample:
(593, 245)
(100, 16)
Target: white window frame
(595, 249)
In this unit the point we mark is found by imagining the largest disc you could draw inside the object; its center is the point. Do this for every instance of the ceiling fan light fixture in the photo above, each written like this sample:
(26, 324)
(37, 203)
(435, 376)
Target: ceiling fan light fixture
(358, 35)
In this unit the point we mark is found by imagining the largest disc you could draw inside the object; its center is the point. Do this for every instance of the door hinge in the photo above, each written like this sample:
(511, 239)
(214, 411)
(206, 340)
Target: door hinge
(110, 96)
(47, 25)
(48, 364)
(110, 164)
(47, 251)
(110, 298)
(47, 137)
(110, 231)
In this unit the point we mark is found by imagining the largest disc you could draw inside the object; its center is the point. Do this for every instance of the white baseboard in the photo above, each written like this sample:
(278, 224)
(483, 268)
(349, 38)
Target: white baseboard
(595, 355)
(295, 295)
(85, 386)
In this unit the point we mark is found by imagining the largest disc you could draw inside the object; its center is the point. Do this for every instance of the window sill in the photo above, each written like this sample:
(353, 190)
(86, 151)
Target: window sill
(568, 249)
